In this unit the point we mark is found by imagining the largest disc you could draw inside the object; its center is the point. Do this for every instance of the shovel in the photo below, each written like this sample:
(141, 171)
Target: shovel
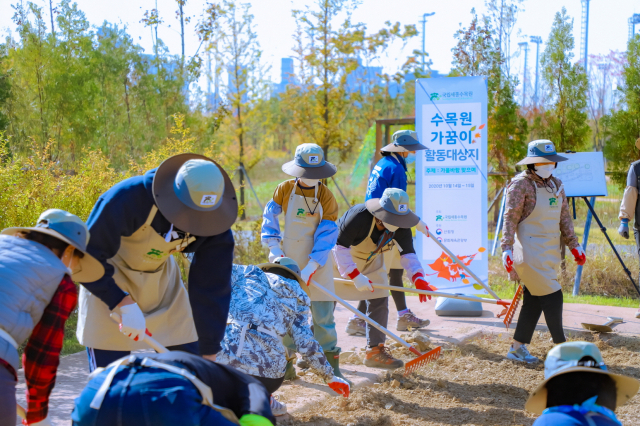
(603, 328)
(410, 366)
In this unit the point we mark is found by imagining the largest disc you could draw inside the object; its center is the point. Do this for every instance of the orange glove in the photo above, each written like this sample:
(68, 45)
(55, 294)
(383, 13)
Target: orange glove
(339, 386)
(579, 255)
(421, 284)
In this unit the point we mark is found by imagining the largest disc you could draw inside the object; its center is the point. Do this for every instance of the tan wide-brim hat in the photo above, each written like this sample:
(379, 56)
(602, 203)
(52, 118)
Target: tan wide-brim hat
(198, 199)
(72, 230)
(393, 208)
(269, 267)
(541, 151)
(626, 387)
(638, 143)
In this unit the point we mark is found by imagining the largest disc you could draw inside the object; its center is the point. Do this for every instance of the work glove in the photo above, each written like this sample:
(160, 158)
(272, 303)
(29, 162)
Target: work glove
(624, 228)
(422, 284)
(132, 323)
(275, 250)
(254, 420)
(339, 386)
(507, 260)
(361, 282)
(308, 271)
(43, 422)
(578, 254)
(422, 227)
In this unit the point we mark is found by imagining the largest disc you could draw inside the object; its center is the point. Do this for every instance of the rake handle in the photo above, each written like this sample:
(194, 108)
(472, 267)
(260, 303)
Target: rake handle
(364, 317)
(155, 345)
(21, 411)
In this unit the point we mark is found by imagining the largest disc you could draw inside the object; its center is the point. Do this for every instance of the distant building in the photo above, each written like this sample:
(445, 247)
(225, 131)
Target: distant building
(287, 76)
(363, 79)
(396, 89)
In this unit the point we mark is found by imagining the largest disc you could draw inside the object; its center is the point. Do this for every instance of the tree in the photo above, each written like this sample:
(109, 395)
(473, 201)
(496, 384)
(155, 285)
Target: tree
(238, 50)
(565, 121)
(623, 126)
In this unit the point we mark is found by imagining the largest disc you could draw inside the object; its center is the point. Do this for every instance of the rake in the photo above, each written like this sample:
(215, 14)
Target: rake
(410, 366)
(510, 311)
(155, 345)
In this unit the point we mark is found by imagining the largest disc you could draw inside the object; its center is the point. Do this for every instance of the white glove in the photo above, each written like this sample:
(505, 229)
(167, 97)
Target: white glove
(507, 260)
(362, 283)
(43, 422)
(275, 252)
(422, 227)
(309, 270)
(132, 323)
(340, 386)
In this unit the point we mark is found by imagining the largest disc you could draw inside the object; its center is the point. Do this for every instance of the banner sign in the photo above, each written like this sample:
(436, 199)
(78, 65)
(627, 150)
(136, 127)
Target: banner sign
(451, 179)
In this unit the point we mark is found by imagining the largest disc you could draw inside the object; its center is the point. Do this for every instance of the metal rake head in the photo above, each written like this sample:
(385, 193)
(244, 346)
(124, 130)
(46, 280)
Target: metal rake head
(508, 318)
(423, 359)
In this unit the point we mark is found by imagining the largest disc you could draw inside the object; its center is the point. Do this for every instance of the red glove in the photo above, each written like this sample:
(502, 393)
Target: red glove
(339, 386)
(579, 255)
(421, 284)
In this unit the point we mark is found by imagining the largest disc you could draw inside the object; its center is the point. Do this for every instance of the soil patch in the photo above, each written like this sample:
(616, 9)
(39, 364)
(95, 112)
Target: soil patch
(471, 384)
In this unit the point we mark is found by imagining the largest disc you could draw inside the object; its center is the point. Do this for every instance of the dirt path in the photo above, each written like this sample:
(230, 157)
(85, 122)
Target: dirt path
(471, 384)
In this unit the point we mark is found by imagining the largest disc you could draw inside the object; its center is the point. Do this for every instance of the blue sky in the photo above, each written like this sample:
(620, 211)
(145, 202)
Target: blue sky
(275, 26)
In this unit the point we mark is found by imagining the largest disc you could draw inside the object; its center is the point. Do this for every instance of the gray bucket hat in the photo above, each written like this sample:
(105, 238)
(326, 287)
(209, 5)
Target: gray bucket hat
(404, 141)
(195, 194)
(69, 228)
(393, 208)
(286, 264)
(541, 151)
(309, 162)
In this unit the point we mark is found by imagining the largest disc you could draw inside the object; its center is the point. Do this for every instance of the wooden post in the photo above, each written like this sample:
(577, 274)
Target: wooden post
(376, 155)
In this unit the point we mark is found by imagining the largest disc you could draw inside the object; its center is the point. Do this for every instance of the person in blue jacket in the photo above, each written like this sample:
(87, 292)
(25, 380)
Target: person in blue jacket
(391, 172)
(186, 205)
(578, 389)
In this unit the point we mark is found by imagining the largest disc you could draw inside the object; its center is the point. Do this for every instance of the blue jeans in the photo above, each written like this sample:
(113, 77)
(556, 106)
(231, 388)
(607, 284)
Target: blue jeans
(143, 396)
(102, 357)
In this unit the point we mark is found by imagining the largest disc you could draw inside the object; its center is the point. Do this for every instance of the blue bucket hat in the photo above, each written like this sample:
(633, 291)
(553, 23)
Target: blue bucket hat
(195, 194)
(72, 230)
(404, 141)
(309, 162)
(393, 208)
(541, 151)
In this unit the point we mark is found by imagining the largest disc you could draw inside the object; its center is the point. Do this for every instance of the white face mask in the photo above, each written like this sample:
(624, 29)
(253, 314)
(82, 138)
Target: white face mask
(390, 227)
(545, 171)
(309, 183)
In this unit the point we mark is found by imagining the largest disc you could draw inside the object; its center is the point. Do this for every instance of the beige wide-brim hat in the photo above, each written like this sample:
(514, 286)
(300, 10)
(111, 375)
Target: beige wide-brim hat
(541, 151)
(197, 198)
(269, 267)
(69, 228)
(393, 208)
(565, 358)
(309, 163)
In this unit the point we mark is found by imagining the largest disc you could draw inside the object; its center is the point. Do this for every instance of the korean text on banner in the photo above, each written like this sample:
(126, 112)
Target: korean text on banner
(451, 179)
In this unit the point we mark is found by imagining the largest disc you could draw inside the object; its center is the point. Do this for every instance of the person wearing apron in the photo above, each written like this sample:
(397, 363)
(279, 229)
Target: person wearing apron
(367, 232)
(536, 217)
(310, 232)
(390, 172)
(188, 204)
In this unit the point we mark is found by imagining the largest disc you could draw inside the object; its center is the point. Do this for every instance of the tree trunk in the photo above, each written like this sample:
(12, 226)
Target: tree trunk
(182, 35)
(53, 29)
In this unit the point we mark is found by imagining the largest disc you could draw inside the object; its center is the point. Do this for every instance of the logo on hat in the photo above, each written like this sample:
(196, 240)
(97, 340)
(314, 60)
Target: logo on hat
(548, 148)
(402, 208)
(314, 159)
(208, 200)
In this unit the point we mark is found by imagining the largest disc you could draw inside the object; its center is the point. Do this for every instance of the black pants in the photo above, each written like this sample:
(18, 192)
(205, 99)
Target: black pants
(272, 385)
(395, 279)
(377, 310)
(636, 234)
(532, 308)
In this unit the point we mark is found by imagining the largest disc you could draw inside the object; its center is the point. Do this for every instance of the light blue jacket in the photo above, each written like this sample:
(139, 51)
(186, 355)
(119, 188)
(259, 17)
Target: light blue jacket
(30, 274)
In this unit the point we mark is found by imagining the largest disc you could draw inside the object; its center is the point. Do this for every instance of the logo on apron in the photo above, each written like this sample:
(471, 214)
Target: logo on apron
(553, 201)
(155, 253)
(301, 213)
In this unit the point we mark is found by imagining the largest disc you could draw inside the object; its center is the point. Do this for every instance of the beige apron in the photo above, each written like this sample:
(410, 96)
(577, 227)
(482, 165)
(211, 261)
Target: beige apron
(392, 258)
(300, 226)
(374, 269)
(536, 251)
(145, 268)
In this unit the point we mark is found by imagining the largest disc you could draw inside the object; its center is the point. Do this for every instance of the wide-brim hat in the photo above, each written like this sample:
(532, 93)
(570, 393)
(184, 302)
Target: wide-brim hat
(393, 208)
(562, 359)
(541, 151)
(195, 220)
(404, 141)
(308, 162)
(69, 228)
(269, 267)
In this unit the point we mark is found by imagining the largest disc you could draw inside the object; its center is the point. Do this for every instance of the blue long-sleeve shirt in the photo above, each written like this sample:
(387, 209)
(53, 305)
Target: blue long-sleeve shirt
(389, 172)
(120, 212)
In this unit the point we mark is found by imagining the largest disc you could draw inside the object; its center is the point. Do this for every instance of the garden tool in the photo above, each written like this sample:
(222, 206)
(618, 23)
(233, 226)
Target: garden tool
(410, 366)
(510, 311)
(21, 411)
(603, 328)
(155, 345)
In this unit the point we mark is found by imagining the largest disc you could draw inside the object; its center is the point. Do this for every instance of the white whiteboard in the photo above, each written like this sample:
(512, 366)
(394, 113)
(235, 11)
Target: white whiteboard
(583, 174)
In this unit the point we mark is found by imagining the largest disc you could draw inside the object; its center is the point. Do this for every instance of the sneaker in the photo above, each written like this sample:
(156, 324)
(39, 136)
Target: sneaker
(638, 313)
(380, 357)
(278, 408)
(356, 326)
(410, 320)
(521, 355)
